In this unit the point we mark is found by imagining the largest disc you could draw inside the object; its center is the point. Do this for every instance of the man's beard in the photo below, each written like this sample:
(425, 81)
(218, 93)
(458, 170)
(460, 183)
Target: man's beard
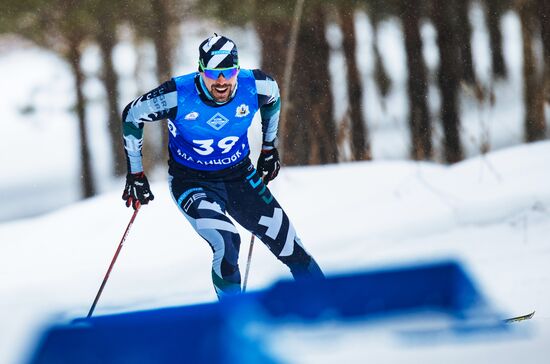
(221, 92)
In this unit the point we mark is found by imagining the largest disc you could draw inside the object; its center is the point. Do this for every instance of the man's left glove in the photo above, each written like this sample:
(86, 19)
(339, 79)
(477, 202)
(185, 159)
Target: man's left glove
(137, 191)
(268, 164)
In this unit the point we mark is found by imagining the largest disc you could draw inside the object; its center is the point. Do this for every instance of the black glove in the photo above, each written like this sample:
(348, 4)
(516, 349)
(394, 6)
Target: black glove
(268, 164)
(136, 191)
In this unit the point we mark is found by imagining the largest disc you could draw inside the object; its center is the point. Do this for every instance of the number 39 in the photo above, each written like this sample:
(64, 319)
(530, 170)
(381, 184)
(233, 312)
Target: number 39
(205, 146)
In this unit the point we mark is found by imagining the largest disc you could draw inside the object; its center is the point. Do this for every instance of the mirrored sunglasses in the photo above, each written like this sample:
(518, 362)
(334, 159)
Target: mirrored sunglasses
(214, 73)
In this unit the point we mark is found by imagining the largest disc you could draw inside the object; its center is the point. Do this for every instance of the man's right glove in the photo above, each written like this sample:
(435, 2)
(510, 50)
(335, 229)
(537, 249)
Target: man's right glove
(136, 191)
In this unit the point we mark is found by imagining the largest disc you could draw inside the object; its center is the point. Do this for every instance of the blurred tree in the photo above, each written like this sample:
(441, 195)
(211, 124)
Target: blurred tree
(464, 34)
(73, 23)
(273, 22)
(311, 133)
(494, 10)
(108, 16)
(161, 31)
(533, 91)
(290, 35)
(74, 56)
(277, 25)
(448, 76)
(417, 83)
(61, 26)
(544, 21)
(378, 11)
(157, 20)
(360, 146)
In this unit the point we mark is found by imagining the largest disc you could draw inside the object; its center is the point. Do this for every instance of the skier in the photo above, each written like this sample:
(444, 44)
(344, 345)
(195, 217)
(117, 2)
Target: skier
(210, 172)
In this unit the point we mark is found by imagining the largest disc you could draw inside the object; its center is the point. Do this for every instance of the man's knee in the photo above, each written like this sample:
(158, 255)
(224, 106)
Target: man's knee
(298, 256)
(230, 271)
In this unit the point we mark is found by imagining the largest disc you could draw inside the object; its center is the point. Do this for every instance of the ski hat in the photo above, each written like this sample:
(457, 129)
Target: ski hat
(218, 52)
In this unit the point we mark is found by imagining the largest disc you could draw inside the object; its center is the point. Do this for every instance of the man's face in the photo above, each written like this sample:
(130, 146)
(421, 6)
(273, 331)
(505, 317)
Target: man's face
(220, 88)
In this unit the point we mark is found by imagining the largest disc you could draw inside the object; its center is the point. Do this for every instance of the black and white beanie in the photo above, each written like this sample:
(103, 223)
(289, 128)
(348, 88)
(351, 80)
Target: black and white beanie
(218, 52)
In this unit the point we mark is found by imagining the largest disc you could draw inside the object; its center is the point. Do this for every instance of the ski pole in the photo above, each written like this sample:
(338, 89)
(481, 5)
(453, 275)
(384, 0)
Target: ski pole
(249, 260)
(245, 281)
(113, 262)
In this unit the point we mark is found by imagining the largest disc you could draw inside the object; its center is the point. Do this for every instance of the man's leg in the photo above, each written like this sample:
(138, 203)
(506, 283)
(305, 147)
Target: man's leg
(250, 202)
(204, 209)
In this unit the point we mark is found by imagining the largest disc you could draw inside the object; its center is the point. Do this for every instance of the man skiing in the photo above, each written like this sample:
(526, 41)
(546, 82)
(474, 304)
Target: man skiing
(210, 173)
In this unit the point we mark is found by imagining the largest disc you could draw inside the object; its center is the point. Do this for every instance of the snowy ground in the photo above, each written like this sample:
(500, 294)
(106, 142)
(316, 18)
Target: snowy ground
(493, 213)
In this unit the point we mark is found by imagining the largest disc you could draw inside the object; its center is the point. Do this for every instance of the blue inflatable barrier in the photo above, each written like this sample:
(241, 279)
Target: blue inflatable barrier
(216, 332)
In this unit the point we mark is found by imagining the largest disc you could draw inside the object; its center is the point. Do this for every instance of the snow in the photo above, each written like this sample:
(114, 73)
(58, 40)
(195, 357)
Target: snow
(490, 212)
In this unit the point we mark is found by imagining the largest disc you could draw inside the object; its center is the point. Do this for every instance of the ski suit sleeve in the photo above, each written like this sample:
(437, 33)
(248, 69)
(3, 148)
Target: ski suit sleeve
(269, 101)
(157, 104)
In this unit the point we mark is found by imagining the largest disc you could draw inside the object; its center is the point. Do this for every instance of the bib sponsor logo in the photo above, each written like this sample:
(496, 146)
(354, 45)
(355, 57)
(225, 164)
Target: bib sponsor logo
(242, 111)
(206, 162)
(217, 121)
(221, 51)
(192, 116)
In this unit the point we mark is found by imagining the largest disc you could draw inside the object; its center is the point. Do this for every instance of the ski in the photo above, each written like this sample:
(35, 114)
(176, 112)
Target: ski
(520, 318)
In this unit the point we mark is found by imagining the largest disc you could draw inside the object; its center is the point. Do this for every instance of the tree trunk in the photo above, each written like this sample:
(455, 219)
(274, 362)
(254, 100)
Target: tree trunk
(106, 39)
(448, 77)
(297, 133)
(419, 117)
(544, 20)
(311, 130)
(279, 35)
(495, 35)
(162, 24)
(74, 57)
(535, 126)
(381, 77)
(464, 35)
(274, 35)
(360, 147)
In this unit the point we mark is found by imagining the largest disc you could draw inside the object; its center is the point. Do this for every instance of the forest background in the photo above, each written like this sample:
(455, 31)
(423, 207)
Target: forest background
(334, 62)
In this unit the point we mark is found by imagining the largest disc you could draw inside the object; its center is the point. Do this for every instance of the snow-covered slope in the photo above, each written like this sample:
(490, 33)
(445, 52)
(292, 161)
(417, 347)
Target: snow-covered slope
(492, 212)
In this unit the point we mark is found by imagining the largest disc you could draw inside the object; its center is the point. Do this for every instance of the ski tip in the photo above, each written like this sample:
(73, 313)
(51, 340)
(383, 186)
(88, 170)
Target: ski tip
(520, 318)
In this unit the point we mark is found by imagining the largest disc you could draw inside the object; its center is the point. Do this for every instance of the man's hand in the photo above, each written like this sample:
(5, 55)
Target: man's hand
(136, 191)
(268, 164)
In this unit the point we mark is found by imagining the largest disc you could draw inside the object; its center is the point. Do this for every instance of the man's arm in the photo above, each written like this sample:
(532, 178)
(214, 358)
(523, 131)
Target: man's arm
(270, 106)
(157, 104)
(269, 101)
